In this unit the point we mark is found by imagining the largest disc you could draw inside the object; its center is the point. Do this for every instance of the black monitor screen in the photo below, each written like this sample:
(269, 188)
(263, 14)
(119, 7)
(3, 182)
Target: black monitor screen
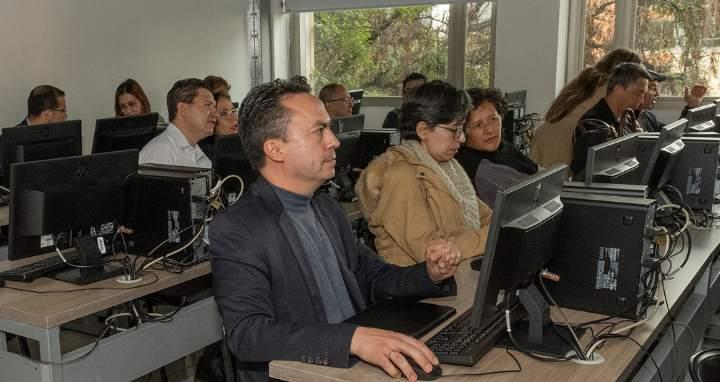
(39, 142)
(230, 159)
(348, 131)
(124, 133)
(614, 161)
(701, 114)
(525, 220)
(55, 200)
(357, 96)
(665, 155)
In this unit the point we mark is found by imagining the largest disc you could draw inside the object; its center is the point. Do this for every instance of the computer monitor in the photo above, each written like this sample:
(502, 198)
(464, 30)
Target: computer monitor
(357, 96)
(124, 133)
(614, 161)
(701, 114)
(348, 130)
(230, 159)
(525, 220)
(705, 127)
(54, 202)
(665, 155)
(39, 142)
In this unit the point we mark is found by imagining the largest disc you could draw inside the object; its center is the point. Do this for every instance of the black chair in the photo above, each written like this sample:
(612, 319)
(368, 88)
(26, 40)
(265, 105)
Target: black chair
(705, 365)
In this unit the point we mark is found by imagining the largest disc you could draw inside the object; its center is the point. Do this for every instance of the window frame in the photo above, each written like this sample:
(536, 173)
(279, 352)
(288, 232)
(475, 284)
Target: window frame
(625, 22)
(303, 64)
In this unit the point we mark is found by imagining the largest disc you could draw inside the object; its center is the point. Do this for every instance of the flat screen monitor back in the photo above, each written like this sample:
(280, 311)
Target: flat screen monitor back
(525, 220)
(348, 131)
(357, 97)
(39, 142)
(701, 114)
(230, 159)
(124, 133)
(661, 165)
(55, 200)
(614, 161)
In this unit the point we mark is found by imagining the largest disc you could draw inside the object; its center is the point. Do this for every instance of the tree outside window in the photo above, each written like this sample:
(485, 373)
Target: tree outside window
(599, 29)
(374, 49)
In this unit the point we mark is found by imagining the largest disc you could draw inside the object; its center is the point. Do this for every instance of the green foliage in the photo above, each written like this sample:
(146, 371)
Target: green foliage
(375, 49)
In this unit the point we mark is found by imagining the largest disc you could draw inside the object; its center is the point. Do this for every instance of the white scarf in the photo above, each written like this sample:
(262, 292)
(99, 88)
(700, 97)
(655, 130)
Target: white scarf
(454, 178)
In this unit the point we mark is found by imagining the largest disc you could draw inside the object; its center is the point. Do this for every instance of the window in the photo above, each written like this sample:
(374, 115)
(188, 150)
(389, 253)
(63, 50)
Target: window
(599, 29)
(682, 40)
(478, 44)
(374, 49)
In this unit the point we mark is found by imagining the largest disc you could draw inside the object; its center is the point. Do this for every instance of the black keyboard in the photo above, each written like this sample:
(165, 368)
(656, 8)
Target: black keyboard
(40, 268)
(462, 344)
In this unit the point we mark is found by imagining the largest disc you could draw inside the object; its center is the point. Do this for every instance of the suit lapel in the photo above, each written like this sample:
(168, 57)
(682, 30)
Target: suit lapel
(265, 192)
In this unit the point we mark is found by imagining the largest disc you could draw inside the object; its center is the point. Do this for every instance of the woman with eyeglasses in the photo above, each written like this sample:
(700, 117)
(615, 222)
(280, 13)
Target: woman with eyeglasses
(226, 124)
(417, 192)
(488, 160)
(130, 99)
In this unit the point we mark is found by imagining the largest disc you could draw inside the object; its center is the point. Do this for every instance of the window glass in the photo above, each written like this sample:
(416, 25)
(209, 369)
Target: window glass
(478, 44)
(599, 29)
(682, 40)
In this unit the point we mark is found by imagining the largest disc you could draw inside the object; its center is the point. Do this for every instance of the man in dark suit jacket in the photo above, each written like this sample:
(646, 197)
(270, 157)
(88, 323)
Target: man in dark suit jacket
(286, 268)
(46, 104)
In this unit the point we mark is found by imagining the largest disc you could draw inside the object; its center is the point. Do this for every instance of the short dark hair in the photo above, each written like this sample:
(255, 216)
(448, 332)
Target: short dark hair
(43, 97)
(327, 90)
(221, 94)
(435, 102)
(414, 76)
(183, 91)
(492, 95)
(214, 82)
(262, 116)
(626, 74)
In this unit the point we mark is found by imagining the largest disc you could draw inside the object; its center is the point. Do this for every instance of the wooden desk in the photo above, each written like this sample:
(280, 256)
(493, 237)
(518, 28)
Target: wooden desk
(623, 358)
(120, 357)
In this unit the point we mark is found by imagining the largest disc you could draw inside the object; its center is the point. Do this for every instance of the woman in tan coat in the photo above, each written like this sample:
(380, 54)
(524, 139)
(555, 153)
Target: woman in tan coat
(552, 142)
(416, 192)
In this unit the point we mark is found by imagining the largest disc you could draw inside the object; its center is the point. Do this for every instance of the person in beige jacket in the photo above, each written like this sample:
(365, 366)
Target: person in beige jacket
(552, 142)
(417, 192)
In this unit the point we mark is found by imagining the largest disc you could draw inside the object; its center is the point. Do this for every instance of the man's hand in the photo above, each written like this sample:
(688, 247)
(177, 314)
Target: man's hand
(388, 350)
(442, 258)
(694, 97)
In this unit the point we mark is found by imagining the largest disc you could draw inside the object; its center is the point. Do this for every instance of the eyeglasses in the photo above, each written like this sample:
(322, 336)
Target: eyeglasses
(346, 99)
(60, 110)
(457, 131)
(228, 113)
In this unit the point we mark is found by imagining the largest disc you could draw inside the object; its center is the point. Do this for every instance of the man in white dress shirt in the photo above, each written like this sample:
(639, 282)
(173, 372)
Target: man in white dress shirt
(192, 114)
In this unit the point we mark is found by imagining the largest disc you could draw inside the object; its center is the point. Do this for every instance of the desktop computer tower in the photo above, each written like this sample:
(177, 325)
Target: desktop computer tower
(601, 253)
(696, 172)
(165, 203)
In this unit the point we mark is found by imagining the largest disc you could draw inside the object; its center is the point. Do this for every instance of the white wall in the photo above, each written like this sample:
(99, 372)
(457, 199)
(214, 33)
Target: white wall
(87, 47)
(530, 48)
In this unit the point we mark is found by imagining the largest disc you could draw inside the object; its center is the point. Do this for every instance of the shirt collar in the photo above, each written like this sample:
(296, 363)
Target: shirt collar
(177, 136)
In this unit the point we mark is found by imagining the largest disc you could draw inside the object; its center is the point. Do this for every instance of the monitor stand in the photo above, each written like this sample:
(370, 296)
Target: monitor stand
(538, 334)
(91, 261)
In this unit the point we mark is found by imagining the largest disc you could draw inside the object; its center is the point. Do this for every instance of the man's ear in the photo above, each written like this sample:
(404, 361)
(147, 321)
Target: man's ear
(182, 108)
(422, 129)
(274, 149)
(45, 116)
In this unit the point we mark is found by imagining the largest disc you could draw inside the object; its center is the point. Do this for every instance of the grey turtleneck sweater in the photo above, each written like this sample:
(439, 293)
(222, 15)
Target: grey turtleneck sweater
(320, 254)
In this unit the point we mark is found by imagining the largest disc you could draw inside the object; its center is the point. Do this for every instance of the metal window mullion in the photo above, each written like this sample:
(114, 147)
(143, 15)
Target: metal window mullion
(457, 26)
(625, 11)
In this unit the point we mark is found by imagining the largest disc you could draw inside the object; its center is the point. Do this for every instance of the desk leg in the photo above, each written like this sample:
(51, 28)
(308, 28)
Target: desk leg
(49, 340)
(3, 341)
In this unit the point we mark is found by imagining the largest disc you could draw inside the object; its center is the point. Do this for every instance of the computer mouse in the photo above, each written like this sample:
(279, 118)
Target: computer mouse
(422, 374)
